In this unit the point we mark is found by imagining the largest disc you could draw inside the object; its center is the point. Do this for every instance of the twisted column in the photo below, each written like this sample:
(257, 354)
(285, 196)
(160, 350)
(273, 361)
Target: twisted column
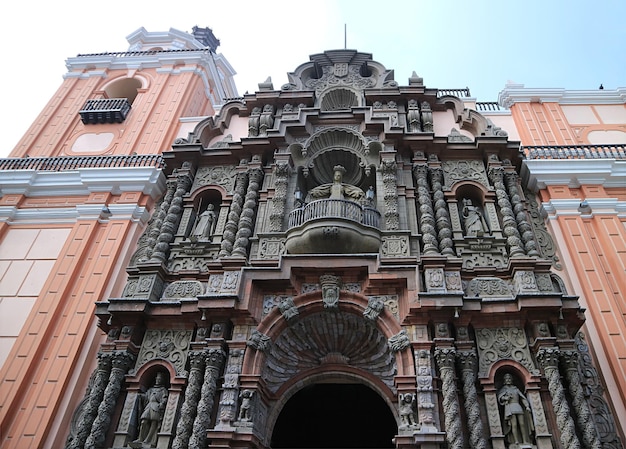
(230, 230)
(442, 214)
(549, 360)
(523, 225)
(214, 359)
(467, 365)
(161, 213)
(170, 223)
(246, 219)
(120, 363)
(190, 405)
(281, 180)
(96, 394)
(514, 242)
(445, 358)
(584, 417)
(426, 214)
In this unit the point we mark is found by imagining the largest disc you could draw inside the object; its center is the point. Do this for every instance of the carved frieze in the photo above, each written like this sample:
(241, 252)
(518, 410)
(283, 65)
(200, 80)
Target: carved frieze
(225, 283)
(503, 343)
(271, 248)
(489, 288)
(183, 289)
(472, 170)
(223, 176)
(395, 246)
(171, 345)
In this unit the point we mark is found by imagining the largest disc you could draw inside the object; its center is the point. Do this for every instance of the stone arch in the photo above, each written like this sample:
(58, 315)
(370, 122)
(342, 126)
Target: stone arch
(319, 333)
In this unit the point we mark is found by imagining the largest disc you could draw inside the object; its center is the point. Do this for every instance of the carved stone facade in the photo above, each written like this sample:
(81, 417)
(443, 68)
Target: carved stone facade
(350, 246)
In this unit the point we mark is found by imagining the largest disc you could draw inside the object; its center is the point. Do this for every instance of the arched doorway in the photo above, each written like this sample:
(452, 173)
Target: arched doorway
(334, 415)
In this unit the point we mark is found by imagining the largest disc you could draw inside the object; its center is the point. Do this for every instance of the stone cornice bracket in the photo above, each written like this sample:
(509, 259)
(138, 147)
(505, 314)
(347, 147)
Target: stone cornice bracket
(259, 341)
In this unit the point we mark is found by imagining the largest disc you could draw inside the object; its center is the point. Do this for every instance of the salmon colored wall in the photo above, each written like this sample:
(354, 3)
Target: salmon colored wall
(47, 348)
(160, 104)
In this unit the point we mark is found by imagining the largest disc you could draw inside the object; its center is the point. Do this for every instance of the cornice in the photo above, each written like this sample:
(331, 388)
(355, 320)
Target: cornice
(59, 215)
(83, 181)
(517, 93)
(540, 173)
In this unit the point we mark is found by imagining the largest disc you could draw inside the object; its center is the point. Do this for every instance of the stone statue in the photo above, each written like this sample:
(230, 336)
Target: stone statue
(474, 222)
(517, 423)
(246, 404)
(407, 411)
(152, 407)
(205, 224)
(337, 190)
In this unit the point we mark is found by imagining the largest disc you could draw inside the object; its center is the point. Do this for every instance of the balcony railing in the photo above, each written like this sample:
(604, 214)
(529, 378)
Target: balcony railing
(576, 152)
(347, 210)
(486, 106)
(76, 162)
(461, 93)
(105, 110)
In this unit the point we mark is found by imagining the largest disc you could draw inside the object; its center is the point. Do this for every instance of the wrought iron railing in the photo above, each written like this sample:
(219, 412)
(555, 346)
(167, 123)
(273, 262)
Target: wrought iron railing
(105, 110)
(76, 162)
(488, 106)
(463, 93)
(347, 210)
(575, 151)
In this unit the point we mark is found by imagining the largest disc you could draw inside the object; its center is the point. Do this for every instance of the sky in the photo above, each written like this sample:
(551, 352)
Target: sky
(480, 44)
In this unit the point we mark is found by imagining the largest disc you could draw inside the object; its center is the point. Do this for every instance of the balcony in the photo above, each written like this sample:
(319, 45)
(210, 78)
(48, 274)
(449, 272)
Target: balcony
(105, 110)
(333, 226)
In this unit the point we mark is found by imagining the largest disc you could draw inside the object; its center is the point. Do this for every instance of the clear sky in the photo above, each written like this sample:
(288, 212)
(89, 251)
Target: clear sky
(480, 44)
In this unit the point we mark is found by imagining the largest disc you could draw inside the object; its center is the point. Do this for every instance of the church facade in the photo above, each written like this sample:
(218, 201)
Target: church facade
(344, 261)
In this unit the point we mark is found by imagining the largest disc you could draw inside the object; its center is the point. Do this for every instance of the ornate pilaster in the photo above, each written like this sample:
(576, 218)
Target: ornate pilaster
(426, 215)
(192, 394)
(523, 225)
(442, 214)
(157, 223)
(281, 180)
(584, 418)
(121, 361)
(96, 394)
(445, 358)
(390, 194)
(467, 364)
(514, 242)
(246, 220)
(230, 230)
(174, 212)
(230, 388)
(425, 404)
(213, 365)
(549, 360)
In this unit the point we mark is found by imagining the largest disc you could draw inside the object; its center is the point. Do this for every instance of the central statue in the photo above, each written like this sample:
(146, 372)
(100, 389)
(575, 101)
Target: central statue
(337, 190)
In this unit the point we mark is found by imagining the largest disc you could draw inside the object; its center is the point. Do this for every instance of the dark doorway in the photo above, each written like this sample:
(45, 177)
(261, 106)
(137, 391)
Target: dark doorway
(335, 416)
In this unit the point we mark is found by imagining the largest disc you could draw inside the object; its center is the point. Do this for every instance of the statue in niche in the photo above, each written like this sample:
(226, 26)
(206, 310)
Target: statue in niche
(517, 423)
(337, 190)
(246, 404)
(151, 405)
(205, 225)
(407, 411)
(473, 219)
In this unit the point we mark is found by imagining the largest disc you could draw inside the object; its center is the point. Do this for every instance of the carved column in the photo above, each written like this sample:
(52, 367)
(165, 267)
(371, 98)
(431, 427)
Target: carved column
(192, 394)
(96, 394)
(549, 360)
(230, 388)
(120, 363)
(442, 214)
(388, 169)
(445, 358)
(246, 220)
(584, 418)
(467, 366)
(174, 212)
(426, 214)
(523, 225)
(425, 404)
(213, 365)
(496, 175)
(281, 180)
(232, 223)
(161, 213)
